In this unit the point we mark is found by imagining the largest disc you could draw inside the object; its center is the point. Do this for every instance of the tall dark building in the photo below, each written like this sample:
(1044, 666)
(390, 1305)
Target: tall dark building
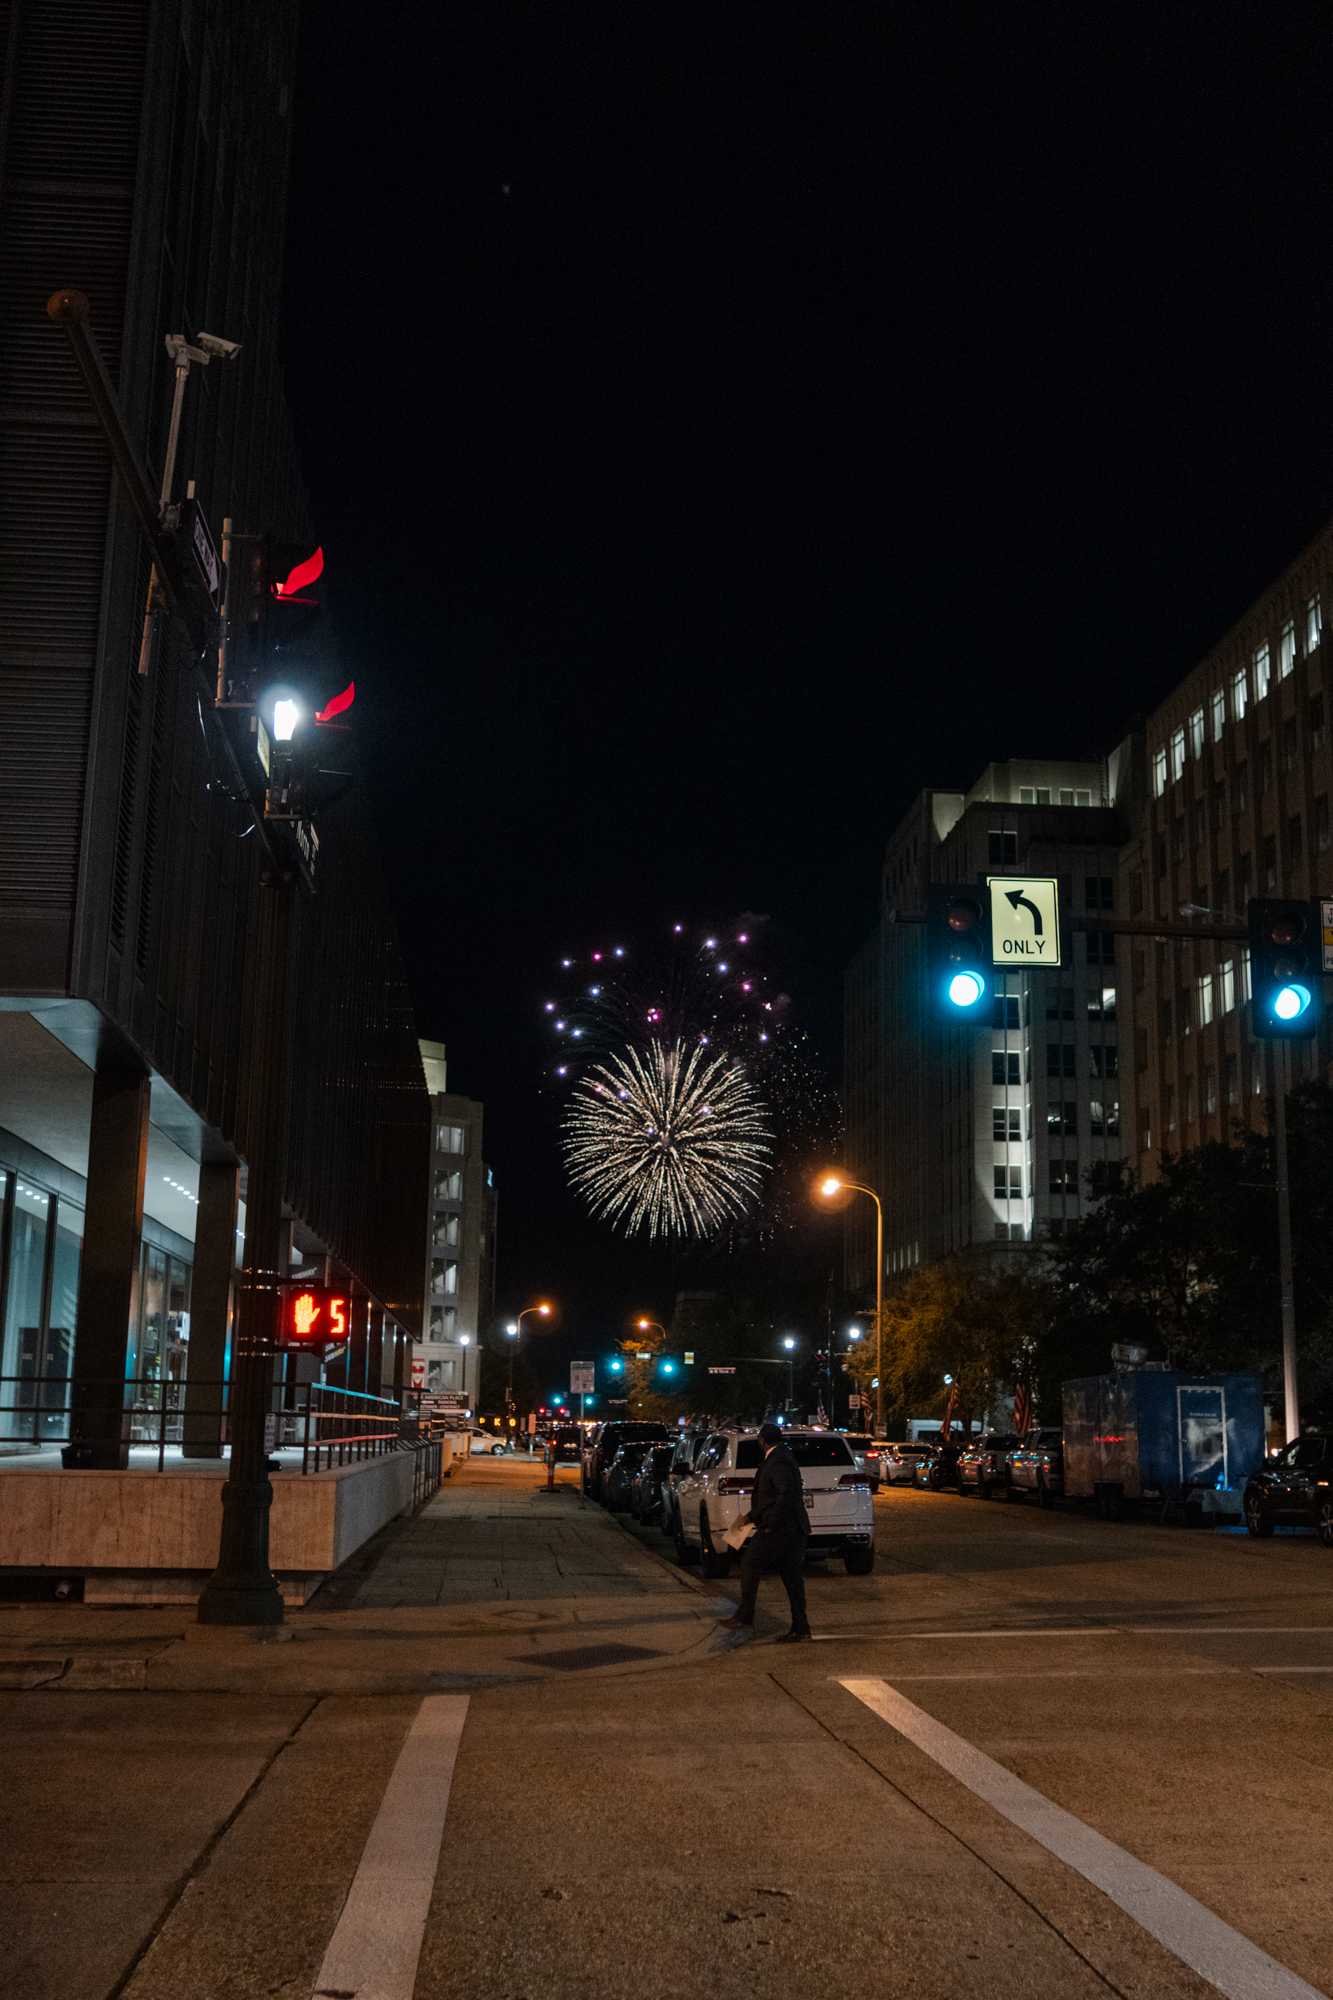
(143, 161)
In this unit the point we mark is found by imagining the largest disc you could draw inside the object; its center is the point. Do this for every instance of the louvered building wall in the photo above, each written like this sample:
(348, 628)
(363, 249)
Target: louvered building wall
(143, 160)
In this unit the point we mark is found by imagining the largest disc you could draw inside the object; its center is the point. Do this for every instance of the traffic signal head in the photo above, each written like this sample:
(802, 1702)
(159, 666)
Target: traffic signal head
(958, 953)
(1286, 969)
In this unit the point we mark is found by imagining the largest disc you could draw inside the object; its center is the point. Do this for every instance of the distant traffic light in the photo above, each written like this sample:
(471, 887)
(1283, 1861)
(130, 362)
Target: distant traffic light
(959, 974)
(668, 1366)
(1286, 969)
(616, 1366)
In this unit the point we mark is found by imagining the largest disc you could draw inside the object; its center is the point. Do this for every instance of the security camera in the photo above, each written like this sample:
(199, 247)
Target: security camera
(220, 349)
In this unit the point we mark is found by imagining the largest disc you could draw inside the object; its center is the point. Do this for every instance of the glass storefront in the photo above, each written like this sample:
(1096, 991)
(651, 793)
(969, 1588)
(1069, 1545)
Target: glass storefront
(39, 1292)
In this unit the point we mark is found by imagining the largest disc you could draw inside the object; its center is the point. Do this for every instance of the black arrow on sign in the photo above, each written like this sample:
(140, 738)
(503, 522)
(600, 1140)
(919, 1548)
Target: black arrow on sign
(1015, 897)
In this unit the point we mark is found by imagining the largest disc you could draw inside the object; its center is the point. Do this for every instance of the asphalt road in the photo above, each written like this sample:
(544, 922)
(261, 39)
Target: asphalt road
(1033, 1754)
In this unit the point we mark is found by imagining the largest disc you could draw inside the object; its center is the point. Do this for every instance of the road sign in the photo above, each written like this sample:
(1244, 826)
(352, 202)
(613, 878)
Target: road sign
(582, 1378)
(689, 1357)
(1326, 925)
(1024, 919)
(722, 1371)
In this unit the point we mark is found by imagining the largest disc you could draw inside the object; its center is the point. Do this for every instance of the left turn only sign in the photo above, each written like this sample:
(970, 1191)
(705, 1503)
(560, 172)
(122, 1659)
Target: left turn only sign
(1024, 919)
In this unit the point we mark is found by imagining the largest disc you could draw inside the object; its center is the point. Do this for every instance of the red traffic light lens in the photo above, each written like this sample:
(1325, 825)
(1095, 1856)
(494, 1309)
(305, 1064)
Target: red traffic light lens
(1285, 930)
(962, 915)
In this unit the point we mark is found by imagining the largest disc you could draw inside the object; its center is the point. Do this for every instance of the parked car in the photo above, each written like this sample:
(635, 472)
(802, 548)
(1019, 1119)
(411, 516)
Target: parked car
(938, 1465)
(568, 1442)
(689, 1444)
(1293, 1488)
(645, 1495)
(866, 1453)
(618, 1479)
(492, 1443)
(1037, 1465)
(603, 1445)
(717, 1492)
(982, 1463)
(898, 1460)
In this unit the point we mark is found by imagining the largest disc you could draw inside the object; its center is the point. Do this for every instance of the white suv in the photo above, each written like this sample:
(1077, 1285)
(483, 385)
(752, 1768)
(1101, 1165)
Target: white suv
(713, 1497)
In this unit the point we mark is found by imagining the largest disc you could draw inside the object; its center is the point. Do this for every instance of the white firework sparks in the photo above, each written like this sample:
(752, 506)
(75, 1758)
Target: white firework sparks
(666, 1141)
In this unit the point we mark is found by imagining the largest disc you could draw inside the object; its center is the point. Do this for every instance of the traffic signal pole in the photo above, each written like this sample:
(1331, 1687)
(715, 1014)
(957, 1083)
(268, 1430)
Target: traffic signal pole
(1291, 1402)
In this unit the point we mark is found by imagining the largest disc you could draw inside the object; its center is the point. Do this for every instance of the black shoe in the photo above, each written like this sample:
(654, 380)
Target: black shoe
(735, 1623)
(790, 1638)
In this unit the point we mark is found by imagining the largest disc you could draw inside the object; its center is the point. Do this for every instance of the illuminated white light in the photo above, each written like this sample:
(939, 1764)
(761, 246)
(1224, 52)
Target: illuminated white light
(1291, 1002)
(286, 715)
(965, 989)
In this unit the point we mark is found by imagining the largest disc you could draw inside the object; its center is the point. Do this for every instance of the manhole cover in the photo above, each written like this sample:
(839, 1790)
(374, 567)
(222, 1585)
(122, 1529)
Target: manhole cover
(579, 1657)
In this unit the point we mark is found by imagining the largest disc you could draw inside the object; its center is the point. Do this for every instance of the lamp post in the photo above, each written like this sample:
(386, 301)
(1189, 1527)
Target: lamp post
(835, 1184)
(646, 1325)
(513, 1331)
(789, 1343)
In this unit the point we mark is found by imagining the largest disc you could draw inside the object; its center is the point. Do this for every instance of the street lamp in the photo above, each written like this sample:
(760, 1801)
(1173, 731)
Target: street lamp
(514, 1329)
(645, 1324)
(831, 1185)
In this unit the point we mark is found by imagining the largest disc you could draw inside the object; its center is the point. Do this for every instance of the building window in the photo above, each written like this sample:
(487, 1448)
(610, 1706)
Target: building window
(1164, 1021)
(1245, 974)
(1002, 849)
(1004, 1067)
(1286, 651)
(1219, 804)
(1240, 789)
(1263, 670)
(1230, 1085)
(1240, 693)
(1244, 876)
(1170, 1101)
(1104, 1060)
(1082, 798)
(1158, 773)
(1178, 838)
(1007, 1122)
(1101, 1000)
(1059, 1003)
(1008, 1183)
(1062, 1121)
(1145, 1130)
(1321, 823)
(1006, 1010)
(1209, 1091)
(1064, 1177)
(1096, 1118)
(1027, 795)
(1314, 720)
(1101, 892)
(1219, 715)
(1290, 748)
(1227, 980)
(445, 1234)
(1314, 622)
(1263, 777)
(1268, 861)
(22, 1346)
(1059, 1061)
(449, 1138)
(1196, 733)
(1177, 753)
(1295, 840)
(1101, 947)
(449, 1186)
(1205, 986)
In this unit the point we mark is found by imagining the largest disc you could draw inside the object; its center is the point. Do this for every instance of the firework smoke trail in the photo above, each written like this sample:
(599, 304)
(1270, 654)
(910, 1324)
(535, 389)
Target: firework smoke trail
(666, 1141)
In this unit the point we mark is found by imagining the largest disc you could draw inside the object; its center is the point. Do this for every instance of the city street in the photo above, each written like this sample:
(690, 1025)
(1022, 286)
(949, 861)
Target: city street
(626, 1801)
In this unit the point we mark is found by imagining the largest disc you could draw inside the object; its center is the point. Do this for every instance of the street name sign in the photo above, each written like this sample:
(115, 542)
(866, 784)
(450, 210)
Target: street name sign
(722, 1371)
(1024, 919)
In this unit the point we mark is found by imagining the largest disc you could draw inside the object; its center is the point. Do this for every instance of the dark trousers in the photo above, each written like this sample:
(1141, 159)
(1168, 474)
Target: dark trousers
(769, 1555)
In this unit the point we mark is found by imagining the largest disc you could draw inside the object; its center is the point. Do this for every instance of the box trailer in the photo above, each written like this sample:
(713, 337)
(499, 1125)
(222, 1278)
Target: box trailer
(1158, 1437)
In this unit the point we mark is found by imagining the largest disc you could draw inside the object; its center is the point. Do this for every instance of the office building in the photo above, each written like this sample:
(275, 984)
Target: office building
(460, 1252)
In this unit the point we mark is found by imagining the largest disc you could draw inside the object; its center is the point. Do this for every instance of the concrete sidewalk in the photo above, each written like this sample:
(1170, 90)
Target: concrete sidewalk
(495, 1581)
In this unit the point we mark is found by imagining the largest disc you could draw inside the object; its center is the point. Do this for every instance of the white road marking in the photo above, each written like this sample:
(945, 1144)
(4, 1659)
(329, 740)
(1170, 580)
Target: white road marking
(1290, 1670)
(1092, 1632)
(1197, 1937)
(374, 1950)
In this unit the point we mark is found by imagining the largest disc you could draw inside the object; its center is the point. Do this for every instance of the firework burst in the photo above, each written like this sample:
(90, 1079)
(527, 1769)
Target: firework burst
(672, 1142)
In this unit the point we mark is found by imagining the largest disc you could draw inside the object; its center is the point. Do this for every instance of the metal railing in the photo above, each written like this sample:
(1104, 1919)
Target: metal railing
(328, 1425)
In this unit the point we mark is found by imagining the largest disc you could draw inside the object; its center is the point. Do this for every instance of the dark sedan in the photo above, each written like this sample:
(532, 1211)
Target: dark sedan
(645, 1498)
(1294, 1488)
(617, 1495)
(981, 1463)
(603, 1445)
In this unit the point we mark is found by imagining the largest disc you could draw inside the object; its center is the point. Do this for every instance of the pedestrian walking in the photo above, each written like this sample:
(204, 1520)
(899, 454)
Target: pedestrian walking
(781, 1531)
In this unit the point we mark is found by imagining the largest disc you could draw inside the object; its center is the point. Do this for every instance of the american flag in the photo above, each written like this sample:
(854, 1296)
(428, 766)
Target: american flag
(1022, 1409)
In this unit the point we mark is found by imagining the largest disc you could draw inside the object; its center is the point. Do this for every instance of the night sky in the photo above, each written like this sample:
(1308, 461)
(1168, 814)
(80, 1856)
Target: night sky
(722, 422)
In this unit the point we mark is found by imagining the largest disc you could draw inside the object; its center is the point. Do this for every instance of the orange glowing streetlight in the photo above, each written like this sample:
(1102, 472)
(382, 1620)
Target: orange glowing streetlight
(833, 1184)
(515, 1328)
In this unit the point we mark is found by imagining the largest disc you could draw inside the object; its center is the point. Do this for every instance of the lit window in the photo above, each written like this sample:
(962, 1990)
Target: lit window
(1245, 974)
(1177, 753)
(1240, 693)
(1158, 773)
(1314, 622)
(1286, 660)
(1205, 984)
(1263, 670)
(1027, 795)
(1219, 715)
(1227, 978)
(1082, 798)
(448, 1138)
(1196, 733)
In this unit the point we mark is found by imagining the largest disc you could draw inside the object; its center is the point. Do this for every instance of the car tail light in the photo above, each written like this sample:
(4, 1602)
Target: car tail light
(856, 1480)
(735, 1486)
